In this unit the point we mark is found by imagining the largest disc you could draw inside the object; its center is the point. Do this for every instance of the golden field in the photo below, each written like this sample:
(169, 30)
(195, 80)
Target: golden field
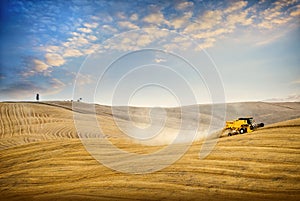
(43, 159)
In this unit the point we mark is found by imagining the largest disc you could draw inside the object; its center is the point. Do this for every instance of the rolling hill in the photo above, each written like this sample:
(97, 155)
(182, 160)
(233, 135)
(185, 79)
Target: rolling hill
(43, 159)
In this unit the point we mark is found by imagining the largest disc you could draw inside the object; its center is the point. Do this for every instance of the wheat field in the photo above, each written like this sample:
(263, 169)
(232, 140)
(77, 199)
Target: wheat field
(43, 159)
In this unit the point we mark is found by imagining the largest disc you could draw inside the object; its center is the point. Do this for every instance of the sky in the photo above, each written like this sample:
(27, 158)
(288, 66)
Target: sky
(150, 53)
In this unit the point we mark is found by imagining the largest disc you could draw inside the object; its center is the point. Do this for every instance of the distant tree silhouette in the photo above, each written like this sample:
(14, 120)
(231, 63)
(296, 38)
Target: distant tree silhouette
(37, 97)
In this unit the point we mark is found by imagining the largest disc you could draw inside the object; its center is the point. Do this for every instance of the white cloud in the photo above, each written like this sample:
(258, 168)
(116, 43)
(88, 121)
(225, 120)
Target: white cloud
(158, 60)
(192, 27)
(56, 85)
(110, 28)
(155, 18)
(72, 53)
(91, 25)
(264, 37)
(290, 98)
(84, 30)
(171, 47)
(238, 18)
(39, 65)
(216, 23)
(236, 6)
(96, 18)
(296, 12)
(128, 42)
(144, 40)
(181, 21)
(128, 25)
(207, 21)
(275, 16)
(67, 44)
(184, 5)
(134, 17)
(54, 59)
(265, 25)
(135, 40)
(107, 18)
(270, 18)
(92, 37)
(186, 45)
(81, 41)
(179, 40)
(76, 41)
(210, 19)
(92, 49)
(182, 42)
(75, 34)
(26, 88)
(157, 33)
(52, 48)
(207, 27)
(121, 15)
(206, 44)
(296, 82)
(82, 79)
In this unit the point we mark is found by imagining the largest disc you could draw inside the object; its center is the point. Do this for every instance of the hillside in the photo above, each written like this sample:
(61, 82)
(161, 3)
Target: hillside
(42, 159)
(24, 122)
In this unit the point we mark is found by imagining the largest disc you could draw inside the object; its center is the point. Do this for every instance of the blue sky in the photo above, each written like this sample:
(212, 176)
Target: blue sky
(135, 51)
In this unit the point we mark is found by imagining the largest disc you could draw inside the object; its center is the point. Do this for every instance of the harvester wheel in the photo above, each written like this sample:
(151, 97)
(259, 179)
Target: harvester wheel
(242, 131)
(229, 134)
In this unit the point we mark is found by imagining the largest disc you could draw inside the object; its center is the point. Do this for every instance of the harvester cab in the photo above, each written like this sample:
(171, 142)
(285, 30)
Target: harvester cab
(241, 126)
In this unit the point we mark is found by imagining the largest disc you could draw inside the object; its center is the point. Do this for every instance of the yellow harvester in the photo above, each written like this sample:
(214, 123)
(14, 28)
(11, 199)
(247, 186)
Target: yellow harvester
(241, 126)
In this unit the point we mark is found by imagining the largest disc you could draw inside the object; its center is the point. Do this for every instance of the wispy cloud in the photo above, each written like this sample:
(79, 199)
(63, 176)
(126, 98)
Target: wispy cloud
(72, 53)
(128, 25)
(296, 11)
(92, 49)
(296, 82)
(159, 60)
(235, 6)
(270, 39)
(109, 29)
(82, 79)
(91, 25)
(184, 5)
(59, 33)
(205, 27)
(53, 59)
(84, 30)
(27, 88)
(290, 98)
(92, 37)
(275, 15)
(179, 22)
(155, 18)
(134, 17)
(40, 66)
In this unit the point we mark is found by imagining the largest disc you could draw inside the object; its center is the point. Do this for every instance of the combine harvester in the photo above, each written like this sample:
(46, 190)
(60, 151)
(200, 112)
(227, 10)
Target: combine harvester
(241, 126)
